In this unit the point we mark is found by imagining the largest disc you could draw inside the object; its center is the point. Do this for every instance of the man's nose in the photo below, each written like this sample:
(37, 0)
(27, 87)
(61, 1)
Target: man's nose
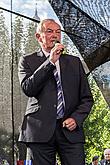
(55, 35)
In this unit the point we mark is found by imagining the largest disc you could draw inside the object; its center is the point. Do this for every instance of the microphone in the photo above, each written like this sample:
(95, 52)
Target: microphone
(55, 42)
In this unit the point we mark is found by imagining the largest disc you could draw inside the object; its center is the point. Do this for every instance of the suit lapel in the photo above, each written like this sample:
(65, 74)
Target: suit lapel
(63, 73)
(63, 64)
(41, 54)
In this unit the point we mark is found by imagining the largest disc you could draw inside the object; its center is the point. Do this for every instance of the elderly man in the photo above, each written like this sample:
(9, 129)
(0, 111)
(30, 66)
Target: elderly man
(106, 160)
(59, 100)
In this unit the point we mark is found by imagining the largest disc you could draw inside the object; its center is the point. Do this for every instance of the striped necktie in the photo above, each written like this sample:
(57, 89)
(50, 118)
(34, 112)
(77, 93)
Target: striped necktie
(60, 103)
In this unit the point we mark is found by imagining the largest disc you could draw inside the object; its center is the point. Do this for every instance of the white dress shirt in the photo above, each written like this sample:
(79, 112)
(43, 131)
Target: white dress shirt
(58, 69)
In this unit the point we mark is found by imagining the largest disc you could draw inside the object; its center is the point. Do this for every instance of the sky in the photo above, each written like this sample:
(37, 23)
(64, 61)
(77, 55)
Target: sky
(27, 8)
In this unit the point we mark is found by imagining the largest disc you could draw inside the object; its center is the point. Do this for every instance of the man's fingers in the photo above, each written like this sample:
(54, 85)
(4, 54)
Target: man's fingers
(70, 124)
(72, 127)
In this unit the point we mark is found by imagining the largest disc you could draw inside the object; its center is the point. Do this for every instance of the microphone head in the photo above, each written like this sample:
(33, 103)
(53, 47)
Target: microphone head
(55, 42)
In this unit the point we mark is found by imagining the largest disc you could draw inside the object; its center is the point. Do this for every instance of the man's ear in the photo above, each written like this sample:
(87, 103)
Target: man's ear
(38, 37)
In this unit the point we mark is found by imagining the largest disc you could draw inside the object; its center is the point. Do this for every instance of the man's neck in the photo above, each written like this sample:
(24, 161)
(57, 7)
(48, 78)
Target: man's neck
(46, 50)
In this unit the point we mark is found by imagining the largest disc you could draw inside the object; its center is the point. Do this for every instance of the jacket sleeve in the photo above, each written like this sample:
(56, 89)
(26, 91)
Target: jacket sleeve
(33, 81)
(85, 98)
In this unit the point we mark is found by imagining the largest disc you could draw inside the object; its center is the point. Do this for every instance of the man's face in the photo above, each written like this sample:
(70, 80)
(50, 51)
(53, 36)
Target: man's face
(107, 154)
(51, 33)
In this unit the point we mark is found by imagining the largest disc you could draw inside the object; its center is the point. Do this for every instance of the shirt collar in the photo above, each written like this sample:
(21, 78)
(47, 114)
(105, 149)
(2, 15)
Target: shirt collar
(108, 161)
(46, 53)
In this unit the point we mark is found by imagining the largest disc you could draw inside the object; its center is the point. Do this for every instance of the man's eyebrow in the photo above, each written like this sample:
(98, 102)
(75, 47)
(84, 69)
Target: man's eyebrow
(49, 29)
(59, 29)
(52, 29)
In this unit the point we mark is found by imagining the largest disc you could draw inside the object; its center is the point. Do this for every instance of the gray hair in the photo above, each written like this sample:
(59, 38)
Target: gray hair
(107, 150)
(40, 26)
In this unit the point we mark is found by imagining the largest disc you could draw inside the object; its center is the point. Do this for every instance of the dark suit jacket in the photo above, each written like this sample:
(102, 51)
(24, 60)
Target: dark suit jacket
(104, 162)
(38, 83)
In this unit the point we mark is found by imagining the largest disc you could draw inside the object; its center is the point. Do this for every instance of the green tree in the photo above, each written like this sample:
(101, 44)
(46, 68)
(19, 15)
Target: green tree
(5, 87)
(30, 44)
(19, 100)
(17, 52)
(17, 38)
(97, 125)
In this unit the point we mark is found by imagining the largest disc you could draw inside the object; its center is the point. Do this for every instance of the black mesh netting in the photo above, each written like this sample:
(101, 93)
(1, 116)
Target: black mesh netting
(87, 34)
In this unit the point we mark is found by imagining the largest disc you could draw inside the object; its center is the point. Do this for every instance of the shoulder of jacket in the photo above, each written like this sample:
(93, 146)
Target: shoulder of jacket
(72, 59)
(38, 53)
(71, 56)
(103, 161)
(28, 55)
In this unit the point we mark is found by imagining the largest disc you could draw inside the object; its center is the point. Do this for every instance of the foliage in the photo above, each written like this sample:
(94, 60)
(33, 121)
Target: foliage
(97, 125)
(5, 145)
(17, 39)
(4, 39)
(30, 42)
(5, 56)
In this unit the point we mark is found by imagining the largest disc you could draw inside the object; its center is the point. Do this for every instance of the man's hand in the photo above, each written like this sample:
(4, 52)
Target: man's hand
(56, 52)
(70, 124)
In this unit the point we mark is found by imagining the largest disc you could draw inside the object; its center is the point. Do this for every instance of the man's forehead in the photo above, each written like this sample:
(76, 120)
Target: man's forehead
(107, 151)
(51, 25)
